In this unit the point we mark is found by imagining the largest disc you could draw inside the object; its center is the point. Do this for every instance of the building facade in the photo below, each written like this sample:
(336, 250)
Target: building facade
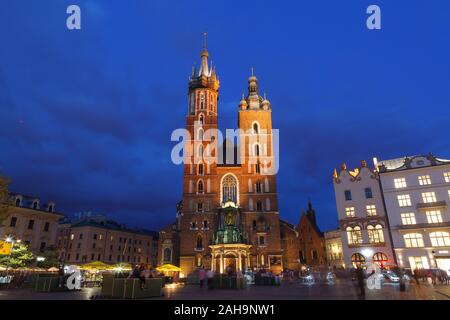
(333, 245)
(168, 248)
(95, 238)
(31, 222)
(311, 242)
(362, 218)
(417, 192)
(228, 217)
(289, 245)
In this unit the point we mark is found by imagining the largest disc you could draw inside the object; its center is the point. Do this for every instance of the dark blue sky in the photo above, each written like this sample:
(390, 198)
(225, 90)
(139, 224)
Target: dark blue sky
(86, 116)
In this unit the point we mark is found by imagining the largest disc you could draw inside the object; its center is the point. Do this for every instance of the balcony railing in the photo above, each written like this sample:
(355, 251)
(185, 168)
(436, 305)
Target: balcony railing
(367, 244)
(431, 205)
(423, 225)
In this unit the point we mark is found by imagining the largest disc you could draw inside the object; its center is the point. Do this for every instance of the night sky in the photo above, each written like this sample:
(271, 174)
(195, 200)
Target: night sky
(86, 116)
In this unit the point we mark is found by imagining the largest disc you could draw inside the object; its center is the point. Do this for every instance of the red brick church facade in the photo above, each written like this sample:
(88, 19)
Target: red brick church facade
(228, 216)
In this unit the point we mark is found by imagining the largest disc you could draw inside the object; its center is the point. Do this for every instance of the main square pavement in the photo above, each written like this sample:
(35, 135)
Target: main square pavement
(341, 290)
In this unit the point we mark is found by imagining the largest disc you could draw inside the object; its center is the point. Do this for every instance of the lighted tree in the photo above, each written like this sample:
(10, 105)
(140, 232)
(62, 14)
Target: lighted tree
(20, 257)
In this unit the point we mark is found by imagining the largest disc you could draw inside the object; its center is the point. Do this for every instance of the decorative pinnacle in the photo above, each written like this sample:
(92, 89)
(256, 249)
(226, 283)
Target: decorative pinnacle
(204, 40)
(252, 72)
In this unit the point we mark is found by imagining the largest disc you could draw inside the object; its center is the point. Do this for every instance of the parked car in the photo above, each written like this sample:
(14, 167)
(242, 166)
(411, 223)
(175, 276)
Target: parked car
(390, 276)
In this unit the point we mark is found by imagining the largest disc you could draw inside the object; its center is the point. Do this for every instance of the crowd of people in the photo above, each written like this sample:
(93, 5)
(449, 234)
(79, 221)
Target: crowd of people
(142, 272)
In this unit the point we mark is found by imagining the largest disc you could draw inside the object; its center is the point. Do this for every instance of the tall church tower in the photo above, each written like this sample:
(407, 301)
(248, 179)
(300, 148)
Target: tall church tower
(196, 217)
(259, 197)
(229, 213)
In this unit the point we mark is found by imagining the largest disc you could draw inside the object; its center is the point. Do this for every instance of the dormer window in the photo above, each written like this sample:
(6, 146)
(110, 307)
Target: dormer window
(18, 202)
(35, 205)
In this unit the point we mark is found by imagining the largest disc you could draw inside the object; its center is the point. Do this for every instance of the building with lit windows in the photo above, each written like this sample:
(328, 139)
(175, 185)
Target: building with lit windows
(333, 245)
(363, 223)
(31, 221)
(417, 193)
(90, 238)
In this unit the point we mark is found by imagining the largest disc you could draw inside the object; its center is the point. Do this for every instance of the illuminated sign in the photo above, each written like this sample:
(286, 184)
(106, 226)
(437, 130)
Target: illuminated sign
(5, 247)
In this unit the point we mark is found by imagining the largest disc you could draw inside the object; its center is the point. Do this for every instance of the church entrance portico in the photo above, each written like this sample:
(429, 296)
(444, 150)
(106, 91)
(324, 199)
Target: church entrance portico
(236, 256)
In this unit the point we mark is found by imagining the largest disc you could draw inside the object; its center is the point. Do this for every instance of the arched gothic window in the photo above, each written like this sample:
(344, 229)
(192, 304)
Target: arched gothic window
(202, 101)
(167, 255)
(200, 151)
(200, 187)
(200, 168)
(200, 134)
(259, 206)
(229, 189)
(199, 242)
(255, 128)
(201, 119)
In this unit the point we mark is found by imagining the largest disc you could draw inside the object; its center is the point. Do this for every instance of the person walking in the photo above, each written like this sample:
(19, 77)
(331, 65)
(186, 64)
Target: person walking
(416, 276)
(142, 272)
(360, 278)
(210, 277)
(202, 276)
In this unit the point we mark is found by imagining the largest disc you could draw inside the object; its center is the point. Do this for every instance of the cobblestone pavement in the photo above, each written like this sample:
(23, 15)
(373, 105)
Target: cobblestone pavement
(343, 290)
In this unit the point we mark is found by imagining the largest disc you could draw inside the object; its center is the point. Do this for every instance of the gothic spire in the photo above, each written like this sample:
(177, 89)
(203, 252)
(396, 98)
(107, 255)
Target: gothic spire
(204, 68)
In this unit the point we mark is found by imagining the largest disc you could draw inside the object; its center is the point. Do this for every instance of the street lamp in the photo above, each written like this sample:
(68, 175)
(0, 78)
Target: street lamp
(9, 239)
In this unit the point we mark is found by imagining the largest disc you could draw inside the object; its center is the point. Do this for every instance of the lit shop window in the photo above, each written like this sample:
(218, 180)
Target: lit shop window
(358, 260)
(413, 240)
(404, 200)
(418, 263)
(380, 258)
(354, 235)
(408, 218)
(375, 233)
(447, 177)
(400, 183)
(350, 211)
(428, 197)
(440, 239)
(371, 210)
(434, 216)
(424, 180)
